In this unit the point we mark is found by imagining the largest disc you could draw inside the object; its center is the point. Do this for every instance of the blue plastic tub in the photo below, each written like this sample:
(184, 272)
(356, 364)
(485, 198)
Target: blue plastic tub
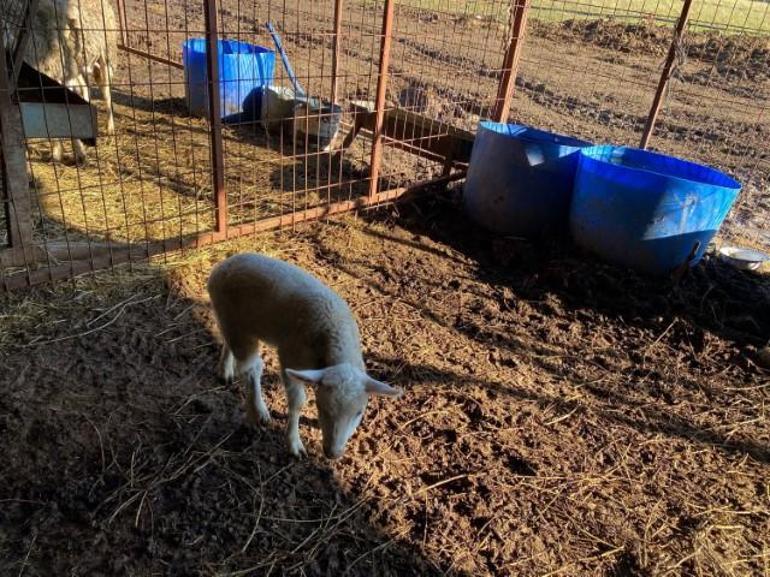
(520, 179)
(244, 70)
(647, 211)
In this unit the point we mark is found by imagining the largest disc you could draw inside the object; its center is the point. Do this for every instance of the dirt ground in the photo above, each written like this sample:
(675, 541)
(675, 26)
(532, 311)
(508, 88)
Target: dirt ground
(561, 417)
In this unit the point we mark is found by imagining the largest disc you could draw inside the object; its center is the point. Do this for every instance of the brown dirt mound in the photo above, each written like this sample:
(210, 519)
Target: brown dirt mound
(740, 56)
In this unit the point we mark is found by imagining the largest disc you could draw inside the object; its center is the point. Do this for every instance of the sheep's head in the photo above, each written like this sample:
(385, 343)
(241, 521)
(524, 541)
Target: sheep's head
(342, 393)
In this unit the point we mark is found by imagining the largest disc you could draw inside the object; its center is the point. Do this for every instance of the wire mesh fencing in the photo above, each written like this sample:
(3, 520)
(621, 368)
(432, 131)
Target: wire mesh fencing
(384, 96)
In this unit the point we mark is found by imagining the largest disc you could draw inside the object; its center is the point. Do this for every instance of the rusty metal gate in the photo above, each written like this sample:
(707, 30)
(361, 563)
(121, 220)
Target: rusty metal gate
(405, 82)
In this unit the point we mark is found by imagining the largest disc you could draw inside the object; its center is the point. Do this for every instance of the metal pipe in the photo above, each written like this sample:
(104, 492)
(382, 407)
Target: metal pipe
(519, 12)
(149, 56)
(337, 46)
(382, 86)
(298, 90)
(215, 116)
(665, 76)
(122, 24)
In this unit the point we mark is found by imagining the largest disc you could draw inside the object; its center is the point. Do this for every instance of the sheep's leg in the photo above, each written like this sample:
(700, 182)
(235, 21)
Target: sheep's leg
(77, 83)
(57, 150)
(80, 151)
(103, 74)
(296, 397)
(256, 410)
(227, 364)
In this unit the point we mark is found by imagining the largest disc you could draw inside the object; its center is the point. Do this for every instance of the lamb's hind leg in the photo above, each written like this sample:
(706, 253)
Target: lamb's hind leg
(252, 367)
(227, 364)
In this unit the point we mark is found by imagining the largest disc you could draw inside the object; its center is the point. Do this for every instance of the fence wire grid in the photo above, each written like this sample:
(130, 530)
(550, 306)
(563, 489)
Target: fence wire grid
(407, 81)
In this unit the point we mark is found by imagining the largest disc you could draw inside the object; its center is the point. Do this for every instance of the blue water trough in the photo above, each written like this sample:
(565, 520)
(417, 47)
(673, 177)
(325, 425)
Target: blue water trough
(647, 211)
(520, 179)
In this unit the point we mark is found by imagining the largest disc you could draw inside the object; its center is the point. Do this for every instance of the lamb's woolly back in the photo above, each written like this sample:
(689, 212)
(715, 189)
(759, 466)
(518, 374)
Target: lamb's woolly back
(280, 303)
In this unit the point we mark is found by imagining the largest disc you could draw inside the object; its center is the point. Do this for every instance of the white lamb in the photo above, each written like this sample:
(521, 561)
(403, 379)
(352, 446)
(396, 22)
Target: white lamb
(260, 299)
(71, 41)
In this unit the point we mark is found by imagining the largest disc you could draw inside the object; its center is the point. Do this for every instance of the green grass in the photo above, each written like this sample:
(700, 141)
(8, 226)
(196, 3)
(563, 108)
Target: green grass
(732, 16)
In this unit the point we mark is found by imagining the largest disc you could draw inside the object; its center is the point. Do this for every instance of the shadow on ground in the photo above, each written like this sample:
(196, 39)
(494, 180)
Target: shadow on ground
(123, 454)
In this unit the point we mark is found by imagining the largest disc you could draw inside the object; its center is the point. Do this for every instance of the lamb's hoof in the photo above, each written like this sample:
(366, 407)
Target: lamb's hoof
(297, 449)
(264, 418)
(258, 418)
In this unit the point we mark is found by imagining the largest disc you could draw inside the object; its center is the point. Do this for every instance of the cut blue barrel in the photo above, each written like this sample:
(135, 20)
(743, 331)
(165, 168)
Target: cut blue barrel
(645, 210)
(244, 70)
(520, 179)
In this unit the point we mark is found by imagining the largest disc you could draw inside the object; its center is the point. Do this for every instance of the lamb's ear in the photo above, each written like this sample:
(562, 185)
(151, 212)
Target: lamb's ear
(309, 377)
(374, 387)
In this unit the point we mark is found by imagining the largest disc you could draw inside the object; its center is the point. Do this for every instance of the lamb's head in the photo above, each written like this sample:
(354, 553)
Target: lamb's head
(342, 393)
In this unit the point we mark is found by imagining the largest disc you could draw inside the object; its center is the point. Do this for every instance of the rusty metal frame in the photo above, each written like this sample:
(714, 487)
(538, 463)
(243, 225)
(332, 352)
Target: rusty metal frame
(107, 256)
(214, 113)
(122, 24)
(438, 142)
(665, 76)
(125, 45)
(150, 56)
(428, 138)
(518, 27)
(336, 48)
(382, 86)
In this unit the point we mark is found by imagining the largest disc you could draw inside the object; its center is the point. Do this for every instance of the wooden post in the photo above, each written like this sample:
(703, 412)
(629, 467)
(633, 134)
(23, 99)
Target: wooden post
(665, 75)
(215, 116)
(15, 184)
(382, 86)
(336, 48)
(519, 11)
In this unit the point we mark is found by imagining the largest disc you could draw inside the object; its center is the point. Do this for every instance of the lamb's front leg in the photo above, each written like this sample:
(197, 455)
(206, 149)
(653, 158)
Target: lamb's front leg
(296, 398)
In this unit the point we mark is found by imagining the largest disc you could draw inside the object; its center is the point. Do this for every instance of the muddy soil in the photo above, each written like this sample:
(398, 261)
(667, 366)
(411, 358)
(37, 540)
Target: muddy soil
(561, 416)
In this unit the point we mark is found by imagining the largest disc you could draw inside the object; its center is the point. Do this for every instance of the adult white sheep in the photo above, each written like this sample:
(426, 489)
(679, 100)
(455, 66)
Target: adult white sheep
(260, 299)
(72, 41)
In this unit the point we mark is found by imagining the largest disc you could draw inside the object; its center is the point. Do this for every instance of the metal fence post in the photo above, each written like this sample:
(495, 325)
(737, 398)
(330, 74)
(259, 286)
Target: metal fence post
(666, 74)
(123, 32)
(336, 48)
(519, 12)
(382, 86)
(215, 116)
